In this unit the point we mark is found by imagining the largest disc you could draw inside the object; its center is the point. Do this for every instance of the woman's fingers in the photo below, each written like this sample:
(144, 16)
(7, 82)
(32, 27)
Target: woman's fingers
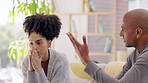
(30, 63)
(35, 59)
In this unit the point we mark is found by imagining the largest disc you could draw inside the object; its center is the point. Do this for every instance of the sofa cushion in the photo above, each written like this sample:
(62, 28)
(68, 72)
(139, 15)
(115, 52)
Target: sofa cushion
(78, 70)
(114, 68)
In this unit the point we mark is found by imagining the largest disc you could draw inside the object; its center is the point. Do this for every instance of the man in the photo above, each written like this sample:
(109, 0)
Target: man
(134, 31)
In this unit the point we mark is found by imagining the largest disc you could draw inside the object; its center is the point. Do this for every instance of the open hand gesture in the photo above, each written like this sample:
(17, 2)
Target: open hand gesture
(81, 49)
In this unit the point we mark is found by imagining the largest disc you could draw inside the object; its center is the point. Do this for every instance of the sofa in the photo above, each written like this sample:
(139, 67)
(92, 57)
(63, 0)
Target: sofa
(112, 68)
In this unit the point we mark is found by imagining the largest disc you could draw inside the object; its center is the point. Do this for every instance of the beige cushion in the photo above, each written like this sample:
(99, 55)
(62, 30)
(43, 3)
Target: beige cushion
(114, 68)
(78, 70)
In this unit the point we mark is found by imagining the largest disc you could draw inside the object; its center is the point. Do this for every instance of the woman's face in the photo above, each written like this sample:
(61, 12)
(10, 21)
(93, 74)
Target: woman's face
(40, 43)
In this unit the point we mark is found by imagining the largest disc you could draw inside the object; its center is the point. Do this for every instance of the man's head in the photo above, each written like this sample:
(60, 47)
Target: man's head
(135, 27)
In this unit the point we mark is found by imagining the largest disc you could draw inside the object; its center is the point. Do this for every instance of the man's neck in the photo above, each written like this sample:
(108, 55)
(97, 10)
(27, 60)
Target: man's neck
(142, 47)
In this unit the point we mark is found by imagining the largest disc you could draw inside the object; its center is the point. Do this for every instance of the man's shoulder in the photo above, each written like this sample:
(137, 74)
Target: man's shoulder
(143, 57)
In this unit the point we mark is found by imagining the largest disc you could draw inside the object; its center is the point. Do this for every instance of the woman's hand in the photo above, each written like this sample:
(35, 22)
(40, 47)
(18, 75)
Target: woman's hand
(35, 60)
(81, 49)
(30, 68)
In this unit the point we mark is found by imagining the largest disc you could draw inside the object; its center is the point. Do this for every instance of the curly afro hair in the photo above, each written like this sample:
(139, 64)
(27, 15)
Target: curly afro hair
(46, 25)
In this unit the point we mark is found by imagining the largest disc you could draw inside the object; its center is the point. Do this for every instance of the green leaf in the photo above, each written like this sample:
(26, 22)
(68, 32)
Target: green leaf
(30, 7)
(20, 7)
(17, 49)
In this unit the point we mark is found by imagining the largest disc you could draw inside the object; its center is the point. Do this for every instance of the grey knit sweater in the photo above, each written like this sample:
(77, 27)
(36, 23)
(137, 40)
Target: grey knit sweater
(58, 70)
(134, 71)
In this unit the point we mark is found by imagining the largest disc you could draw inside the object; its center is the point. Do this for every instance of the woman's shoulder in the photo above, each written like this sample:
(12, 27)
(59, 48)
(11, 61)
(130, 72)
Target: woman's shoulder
(62, 57)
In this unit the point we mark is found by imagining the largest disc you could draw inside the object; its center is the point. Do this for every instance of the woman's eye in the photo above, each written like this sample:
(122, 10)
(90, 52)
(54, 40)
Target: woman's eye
(39, 43)
(30, 43)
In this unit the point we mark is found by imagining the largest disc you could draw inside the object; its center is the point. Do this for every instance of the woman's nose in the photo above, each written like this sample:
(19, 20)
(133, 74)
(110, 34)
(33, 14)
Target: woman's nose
(33, 46)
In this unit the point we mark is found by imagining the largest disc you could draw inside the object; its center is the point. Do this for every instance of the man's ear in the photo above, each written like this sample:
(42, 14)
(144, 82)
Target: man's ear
(139, 32)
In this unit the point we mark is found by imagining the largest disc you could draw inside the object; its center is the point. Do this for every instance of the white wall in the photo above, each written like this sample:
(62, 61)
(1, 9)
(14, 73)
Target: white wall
(63, 44)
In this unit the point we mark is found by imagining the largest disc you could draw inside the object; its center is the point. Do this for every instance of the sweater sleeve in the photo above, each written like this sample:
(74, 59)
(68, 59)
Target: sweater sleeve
(31, 77)
(126, 67)
(61, 75)
(59, 71)
(136, 74)
(28, 76)
(41, 77)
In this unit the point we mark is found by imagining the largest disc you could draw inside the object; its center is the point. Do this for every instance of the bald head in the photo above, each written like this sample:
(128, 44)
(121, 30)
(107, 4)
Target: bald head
(137, 18)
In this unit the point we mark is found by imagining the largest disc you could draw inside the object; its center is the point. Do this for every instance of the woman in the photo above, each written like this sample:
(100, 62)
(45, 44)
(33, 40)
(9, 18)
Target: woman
(44, 65)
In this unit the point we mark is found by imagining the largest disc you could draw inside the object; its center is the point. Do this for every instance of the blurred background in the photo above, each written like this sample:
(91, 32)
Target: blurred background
(99, 20)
